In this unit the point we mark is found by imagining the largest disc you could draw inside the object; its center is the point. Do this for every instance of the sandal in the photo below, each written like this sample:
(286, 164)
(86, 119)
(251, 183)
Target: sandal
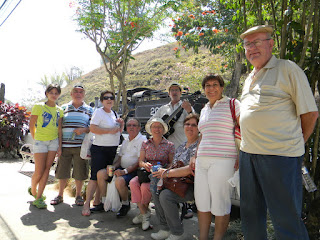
(57, 200)
(79, 201)
(39, 203)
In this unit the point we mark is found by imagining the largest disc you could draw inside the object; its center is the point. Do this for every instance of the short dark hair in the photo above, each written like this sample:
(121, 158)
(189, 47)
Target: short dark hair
(52, 86)
(105, 92)
(190, 116)
(212, 77)
(132, 118)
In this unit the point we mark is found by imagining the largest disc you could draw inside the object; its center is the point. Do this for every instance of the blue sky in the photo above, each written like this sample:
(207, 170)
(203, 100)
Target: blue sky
(40, 38)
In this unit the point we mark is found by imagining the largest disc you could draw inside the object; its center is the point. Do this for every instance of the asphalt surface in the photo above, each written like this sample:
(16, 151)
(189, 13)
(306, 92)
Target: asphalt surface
(20, 220)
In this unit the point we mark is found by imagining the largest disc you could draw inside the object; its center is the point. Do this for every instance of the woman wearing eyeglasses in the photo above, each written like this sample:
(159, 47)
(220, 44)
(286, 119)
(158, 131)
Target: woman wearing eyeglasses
(107, 127)
(216, 159)
(166, 202)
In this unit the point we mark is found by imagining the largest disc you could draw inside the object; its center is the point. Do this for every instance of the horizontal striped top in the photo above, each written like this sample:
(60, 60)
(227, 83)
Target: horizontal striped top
(74, 118)
(217, 129)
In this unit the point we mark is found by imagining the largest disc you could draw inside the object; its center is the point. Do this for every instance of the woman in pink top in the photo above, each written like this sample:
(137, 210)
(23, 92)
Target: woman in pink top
(216, 159)
(156, 149)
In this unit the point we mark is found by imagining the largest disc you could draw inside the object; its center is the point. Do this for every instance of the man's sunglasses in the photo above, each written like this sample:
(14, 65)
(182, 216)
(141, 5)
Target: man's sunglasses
(108, 98)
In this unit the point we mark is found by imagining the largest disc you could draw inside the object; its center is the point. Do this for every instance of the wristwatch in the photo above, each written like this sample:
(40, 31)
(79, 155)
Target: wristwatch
(125, 171)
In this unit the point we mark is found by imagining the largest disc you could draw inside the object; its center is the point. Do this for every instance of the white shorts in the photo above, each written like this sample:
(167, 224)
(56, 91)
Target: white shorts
(45, 146)
(212, 191)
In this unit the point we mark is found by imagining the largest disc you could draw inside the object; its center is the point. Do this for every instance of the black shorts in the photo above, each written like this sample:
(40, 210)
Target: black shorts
(101, 157)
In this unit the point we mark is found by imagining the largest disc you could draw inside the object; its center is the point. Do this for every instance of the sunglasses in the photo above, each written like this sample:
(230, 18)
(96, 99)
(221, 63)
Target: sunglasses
(108, 98)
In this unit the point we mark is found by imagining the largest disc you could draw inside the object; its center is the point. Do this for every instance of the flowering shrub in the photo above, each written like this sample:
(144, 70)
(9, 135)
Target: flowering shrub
(13, 126)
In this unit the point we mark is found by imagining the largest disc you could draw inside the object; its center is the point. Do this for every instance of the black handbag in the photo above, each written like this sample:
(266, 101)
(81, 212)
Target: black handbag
(143, 175)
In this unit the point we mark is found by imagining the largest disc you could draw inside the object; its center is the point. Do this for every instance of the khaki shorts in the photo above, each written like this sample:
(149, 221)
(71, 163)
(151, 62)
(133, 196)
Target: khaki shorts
(70, 158)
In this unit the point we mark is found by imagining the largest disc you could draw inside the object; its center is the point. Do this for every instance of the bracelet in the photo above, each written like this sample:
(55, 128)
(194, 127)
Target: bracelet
(125, 171)
(168, 173)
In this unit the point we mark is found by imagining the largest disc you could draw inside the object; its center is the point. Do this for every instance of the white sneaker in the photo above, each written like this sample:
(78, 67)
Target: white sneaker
(138, 219)
(174, 237)
(162, 234)
(145, 222)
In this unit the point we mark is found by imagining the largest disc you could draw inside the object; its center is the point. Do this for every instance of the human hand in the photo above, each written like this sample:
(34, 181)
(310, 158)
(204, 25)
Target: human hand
(59, 151)
(192, 164)
(79, 131)
(187, 106)
(121, 122)
(119, 172)
(147, 166)
(236, 164)
(159, 173)
(114, 130)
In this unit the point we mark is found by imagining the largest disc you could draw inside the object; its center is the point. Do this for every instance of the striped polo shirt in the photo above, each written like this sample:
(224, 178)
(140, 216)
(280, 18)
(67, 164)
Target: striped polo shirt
(216, 126)
(74, 118)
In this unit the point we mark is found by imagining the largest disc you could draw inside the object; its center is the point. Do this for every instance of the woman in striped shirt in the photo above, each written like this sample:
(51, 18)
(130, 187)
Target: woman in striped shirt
(216, 158)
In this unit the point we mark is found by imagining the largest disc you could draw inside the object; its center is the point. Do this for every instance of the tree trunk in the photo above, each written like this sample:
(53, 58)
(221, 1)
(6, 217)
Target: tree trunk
(233, 87)
(284, 30)
(2, 92)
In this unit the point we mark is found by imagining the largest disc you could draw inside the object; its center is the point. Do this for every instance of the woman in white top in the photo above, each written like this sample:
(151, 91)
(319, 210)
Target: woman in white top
(107, 128)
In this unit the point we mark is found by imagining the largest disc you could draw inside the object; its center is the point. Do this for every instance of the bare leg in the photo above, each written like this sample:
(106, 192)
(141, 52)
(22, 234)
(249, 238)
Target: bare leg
(91, 188)
(62, 186)
(40, 164)
(79, 184)
(221, 225)
(122, 188)
(44, 179)
(204, 219)
(102, 177)
(143, 208)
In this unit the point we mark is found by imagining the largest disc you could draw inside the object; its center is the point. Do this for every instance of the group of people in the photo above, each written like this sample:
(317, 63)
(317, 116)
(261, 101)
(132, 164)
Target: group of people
(276, 115)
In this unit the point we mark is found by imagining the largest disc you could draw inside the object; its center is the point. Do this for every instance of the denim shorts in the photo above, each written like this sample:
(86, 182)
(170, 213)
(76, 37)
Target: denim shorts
(45, 146)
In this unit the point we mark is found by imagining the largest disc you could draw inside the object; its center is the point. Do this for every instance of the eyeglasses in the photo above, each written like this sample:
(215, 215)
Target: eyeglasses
(190, 125)
(107, 98)
(256, 43)
(132, 125)
(157, 127)
(215, 85)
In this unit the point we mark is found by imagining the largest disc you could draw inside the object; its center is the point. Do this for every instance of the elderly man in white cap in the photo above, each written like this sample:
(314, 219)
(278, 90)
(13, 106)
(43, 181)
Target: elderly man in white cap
(278, 114)
(75, 124)
(177, 137)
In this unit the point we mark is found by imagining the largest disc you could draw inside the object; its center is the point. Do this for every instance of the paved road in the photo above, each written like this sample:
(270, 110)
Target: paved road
(19, 220)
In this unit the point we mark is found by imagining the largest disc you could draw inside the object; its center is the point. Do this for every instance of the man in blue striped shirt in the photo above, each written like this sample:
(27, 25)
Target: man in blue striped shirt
(75, 125)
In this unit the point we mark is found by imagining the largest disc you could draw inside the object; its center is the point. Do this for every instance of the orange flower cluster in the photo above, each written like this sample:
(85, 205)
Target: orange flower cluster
(201, 34)
(180, 33)
(226, 30)
(215, 30)
(192, 16)
(132, 24)
(206, 12)
(187, 34)
(175, 49)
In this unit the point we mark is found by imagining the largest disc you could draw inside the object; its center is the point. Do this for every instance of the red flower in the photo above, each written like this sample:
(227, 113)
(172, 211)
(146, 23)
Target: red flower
(213, 11)
(198, 28)
(175, 49)
(191, 16)
(215, 30)
(204, 13)
(226, 30)
(201, 34)
(180, 33)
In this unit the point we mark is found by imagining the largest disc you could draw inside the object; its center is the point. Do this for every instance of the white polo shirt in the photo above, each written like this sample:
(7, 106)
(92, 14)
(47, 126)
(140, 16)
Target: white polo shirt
(130, 150)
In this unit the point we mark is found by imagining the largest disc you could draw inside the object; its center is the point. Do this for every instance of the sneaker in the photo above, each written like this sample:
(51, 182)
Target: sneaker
(123, 210)
(145, 222)
(97, 208)
(39, 203)
(138, 219)
(162, 234)
(174, 237)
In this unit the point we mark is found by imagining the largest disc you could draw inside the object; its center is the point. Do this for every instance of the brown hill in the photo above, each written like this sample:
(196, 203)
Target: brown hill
(155, 68)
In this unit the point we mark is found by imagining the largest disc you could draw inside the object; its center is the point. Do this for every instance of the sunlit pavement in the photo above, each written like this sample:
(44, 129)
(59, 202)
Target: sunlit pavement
(20, 220)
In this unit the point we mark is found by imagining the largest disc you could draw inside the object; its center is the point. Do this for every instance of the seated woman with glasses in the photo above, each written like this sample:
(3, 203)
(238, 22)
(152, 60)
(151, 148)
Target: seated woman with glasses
(107, 127)
(156, 149)
(166, 202)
